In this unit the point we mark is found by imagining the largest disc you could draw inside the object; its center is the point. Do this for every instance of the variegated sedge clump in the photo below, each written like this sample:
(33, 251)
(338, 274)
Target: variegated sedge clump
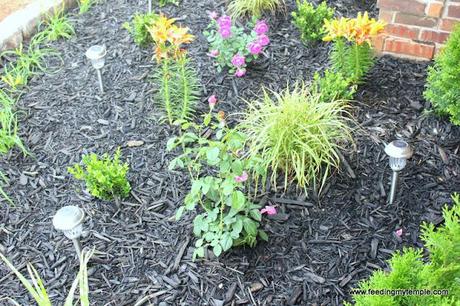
(254, 8)
(178, 84)
(352, 54)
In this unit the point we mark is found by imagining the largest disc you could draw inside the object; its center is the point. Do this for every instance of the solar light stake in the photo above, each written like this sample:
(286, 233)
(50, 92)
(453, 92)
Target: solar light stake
(399, 152)
(150, 6)
(96, 54)
(69, 220)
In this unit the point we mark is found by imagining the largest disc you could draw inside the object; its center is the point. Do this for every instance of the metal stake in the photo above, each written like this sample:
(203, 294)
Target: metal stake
(99, 76)
(150, 6)
(394, 182)
(77, 244)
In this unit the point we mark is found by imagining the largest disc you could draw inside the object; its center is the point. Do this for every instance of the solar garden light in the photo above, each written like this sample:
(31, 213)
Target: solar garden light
(150, 6)
(399, 152)
(69, 219)
(96, 54)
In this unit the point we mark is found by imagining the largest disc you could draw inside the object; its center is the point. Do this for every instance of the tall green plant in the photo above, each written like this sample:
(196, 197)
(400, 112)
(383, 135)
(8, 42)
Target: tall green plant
(442, 88)
(310, 20)
(8, 125)
(296, 134)
(56, 26)
(138, 28)
(37, 289)
(409, 271)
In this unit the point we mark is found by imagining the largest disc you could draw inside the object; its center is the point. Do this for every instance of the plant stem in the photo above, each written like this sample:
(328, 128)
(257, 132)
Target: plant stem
(185, 87)
(166, 93)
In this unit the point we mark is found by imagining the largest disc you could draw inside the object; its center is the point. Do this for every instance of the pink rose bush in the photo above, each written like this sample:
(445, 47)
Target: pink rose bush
(231, 46)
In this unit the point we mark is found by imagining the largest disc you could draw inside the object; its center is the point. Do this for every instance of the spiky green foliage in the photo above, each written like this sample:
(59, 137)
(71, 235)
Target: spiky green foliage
(3, 194)
(105, 177)
(333, 86)
(56, 26)
(253, 8)
(297, 134)
(408, 270)
(353, 61)
(8, 125)
(178, 88)
(442, 88)
(85, 5)
(37, 289)
(310, 20)
(138, 28)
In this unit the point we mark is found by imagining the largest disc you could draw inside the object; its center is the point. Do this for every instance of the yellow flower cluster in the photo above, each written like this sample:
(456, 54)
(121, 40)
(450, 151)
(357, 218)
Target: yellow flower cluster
(359, 30)
(168, 38)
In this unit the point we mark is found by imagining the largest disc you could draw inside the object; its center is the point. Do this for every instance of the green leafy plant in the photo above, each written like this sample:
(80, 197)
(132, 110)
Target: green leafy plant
(240, 8)
(8, 125)
(408, 270)
(56, 26)
(138, 28)
(295, 132)
(105, 177)
(333, 86)
(229, 217)
(310, 20)
(165, 2)
(442, 88)
(85, 5)
(36, 287)
(4, 179)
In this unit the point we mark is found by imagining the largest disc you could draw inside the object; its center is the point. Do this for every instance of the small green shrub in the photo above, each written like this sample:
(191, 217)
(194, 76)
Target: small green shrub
(85, 5)
(408, 270)
(333, 86)
(138, 28)
(229, 217)
(105, 177)
(295, 132)
(310, 20)
(442, 88)
(56, 26)
(36, 287)
(253, 8)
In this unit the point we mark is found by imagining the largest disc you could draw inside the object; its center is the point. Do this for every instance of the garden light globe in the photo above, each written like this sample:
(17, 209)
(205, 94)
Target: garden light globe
(96, 54)
(69, 220)
(399, 152)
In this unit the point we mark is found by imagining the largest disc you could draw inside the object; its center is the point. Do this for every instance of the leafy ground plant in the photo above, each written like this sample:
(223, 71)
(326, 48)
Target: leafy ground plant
(442, 88)
(36, 287)
(352, 54)
(8, 125)
(333, 86)
(255, 8)
(105, 177)
(56, 26)
(85, 5)
(310, 20)
(138, 28)
(229, 217)
(408, 270)
(231, 47)
(296, 133)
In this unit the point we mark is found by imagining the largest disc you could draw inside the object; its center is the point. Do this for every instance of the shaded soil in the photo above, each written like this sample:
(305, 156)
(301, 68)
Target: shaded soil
(320, 246)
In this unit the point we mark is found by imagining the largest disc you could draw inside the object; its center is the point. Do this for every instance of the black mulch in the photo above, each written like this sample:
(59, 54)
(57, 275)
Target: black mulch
(320, 246)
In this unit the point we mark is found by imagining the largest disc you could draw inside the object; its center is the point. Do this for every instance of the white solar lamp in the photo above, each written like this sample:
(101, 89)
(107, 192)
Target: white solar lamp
(399, 152)
(69, 220)
(96, 54)
(150, 6)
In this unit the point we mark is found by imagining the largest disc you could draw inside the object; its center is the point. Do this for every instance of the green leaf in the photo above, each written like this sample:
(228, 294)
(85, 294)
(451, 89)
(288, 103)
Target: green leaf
(179, 212)
(212, 156)
(237, 226)
(263, 235)
(199, 243)
(217, 250)
(237, 166)
(171, 144)
(199, 252)
(198, 225)
(255, 214)
(250, 226)
(238, 200)
(226, 242)
(227, 187)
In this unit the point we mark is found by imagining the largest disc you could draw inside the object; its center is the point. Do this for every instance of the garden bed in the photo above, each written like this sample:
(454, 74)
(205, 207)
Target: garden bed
(319, 246)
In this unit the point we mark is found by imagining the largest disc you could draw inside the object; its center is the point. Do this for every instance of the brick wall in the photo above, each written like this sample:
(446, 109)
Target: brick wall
(416, 28)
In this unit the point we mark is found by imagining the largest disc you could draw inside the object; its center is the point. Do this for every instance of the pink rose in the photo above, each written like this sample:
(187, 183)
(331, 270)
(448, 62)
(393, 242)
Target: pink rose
(269, 210)
(212, 100)
(225, 32)
(238, 60)
(224, 21)
(261, 27)
(213, 15)
(242, 178)
(240, 73)
(213, 53)
(399, 232)
(263, 40)
(255, 48)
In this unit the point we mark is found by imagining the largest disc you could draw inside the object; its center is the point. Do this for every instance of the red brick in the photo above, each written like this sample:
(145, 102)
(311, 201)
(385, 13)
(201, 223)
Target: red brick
(406, 6)
(434, 9)
(407, 47)
(448, 24)
(434, 36)
(402, 31)
(427, 22)
(386, 16)
(453, 11)
(378, 42)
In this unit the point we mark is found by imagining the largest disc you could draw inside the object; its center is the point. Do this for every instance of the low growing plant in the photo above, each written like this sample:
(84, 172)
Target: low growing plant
(8, 125)
(220, 176)
(409, 271)
(310, 20)
(296, 134)
(56, 26)
(333, 86)
(138, 28)
(85, 5)
(105, 177)
(231, 47)
(178, 85)
(352, 54)
(36, 287)
(240, 8)
(442, 88)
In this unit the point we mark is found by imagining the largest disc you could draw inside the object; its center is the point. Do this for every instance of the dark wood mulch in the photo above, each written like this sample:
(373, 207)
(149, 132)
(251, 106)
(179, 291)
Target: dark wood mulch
(320, 246)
